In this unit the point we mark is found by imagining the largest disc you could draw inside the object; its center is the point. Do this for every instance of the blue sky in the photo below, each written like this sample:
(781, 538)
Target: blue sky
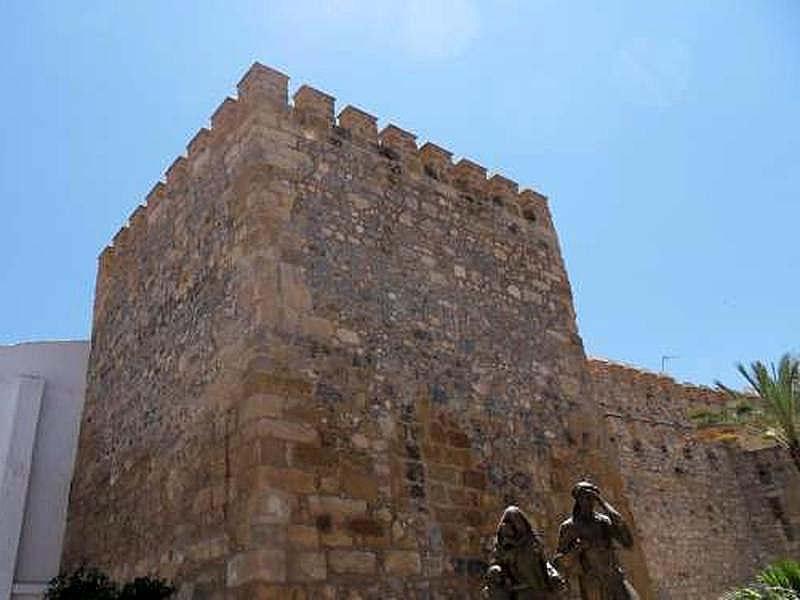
(666, 135)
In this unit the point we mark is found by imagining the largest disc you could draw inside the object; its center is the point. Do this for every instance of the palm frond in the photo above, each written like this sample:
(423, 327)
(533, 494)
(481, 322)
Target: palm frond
(778, 581)
(775, 406)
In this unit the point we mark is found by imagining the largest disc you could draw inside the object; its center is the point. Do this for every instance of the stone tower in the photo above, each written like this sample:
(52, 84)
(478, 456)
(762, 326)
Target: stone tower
(323, 360)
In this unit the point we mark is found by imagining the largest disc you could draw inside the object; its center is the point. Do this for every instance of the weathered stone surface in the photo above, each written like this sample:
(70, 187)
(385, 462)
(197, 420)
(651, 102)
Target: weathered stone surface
(358, 483)
(303, 536)
(256, 565)
(271, 506)
(689, 491)
(403, 563)
(308, 566)
(352, 562)
(338, 508)
(261, 405)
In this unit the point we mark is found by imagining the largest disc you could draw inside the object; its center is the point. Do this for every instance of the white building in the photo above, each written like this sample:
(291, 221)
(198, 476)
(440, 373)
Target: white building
(41, 397)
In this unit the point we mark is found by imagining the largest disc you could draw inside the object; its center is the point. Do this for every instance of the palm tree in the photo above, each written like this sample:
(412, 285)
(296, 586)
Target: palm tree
(775, 408)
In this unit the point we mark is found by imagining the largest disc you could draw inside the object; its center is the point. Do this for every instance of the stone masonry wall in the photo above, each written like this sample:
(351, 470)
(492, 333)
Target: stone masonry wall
(323, 361)
(708, 514)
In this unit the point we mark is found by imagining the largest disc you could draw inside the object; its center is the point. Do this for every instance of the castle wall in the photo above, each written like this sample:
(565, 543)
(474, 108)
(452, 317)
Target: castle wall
(323, 361)
(708, 514)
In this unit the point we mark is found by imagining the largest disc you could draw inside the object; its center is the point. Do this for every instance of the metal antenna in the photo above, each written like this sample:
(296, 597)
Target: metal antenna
(664, 359)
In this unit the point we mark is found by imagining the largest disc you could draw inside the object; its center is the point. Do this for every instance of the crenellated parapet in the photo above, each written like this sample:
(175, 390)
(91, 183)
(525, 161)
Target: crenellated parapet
(602, 366)
(652, 388)
(263, 98)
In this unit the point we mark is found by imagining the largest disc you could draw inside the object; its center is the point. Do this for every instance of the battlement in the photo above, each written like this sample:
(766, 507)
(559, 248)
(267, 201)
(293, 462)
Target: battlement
(263, 94)
(651, 383)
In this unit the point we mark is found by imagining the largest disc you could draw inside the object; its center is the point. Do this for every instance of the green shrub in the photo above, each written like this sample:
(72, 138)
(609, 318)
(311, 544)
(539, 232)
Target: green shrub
(779, 581)
(86, 583)
(760, 592)
(145, 588)
(82, 584)
(782, 574)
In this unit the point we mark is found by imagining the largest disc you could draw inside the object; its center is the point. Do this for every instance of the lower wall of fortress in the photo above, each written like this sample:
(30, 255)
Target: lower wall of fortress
(708, 514)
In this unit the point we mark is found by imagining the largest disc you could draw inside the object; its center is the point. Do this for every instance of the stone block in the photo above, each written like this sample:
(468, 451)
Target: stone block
(445, 475)
(314, 103)
(257, 405)
(307, 566)
(503, 187)
(365, 526)
(469, 175)
(339, 509)
(293, 289)
(271, 451)
(359, 484)
(303, 536)
(474, 479)
(268, 565)
(398, 140)
(226, 115)
(294, 481)
(264, 85)
(268, 535)
(458, 439)
(316, 327)
(336, 538)
(352, 562)
(306, 456)
(403, 563)
(359, 123)
(348, 336)
(273, 507)
(437, 160)
(288, 430)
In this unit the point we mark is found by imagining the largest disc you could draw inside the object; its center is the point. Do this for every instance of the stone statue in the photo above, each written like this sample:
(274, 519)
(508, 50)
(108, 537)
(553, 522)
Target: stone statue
(588, 539)
(518, 569)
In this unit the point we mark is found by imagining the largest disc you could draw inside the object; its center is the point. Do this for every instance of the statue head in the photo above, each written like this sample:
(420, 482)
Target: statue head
(514, 528)
(585, 494)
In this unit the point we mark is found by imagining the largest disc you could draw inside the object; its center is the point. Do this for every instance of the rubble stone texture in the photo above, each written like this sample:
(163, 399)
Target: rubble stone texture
(324, 360)
(708, 514)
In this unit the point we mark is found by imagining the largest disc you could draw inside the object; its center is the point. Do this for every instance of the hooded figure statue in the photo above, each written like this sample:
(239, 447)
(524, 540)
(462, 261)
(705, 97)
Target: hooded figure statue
(588, 537)
(519, 569)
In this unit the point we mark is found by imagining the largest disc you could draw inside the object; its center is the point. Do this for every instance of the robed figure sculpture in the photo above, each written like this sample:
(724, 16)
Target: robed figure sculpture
(586, 541)
(519, 569)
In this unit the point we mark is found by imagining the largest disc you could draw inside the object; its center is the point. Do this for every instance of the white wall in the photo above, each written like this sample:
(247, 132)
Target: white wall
(41, 398)
(20, 402)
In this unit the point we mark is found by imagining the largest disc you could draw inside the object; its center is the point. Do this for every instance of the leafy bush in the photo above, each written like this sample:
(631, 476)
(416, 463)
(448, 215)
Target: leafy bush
(82, 584)
(145, 588)
(783, 574)
(779, 581)
(760, 592)
(85, 583)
